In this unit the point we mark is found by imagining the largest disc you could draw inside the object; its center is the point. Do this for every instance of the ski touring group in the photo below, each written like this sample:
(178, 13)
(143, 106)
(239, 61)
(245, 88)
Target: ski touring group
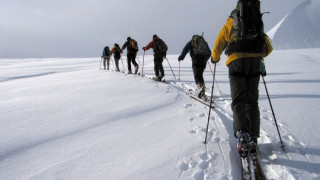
(243, 40)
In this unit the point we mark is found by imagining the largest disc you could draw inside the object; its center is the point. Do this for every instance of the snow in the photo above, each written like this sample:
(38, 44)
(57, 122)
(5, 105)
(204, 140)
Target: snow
(66, 119)
(299, 29)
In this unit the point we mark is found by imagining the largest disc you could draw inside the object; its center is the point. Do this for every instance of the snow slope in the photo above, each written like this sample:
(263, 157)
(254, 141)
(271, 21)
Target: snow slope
(65, 119)
(299, 29)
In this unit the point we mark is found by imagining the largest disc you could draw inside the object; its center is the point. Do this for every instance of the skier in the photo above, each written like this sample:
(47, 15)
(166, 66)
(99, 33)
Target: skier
(199, 61)
(116, 51)
(132, 49)
(106, 57)
(160, 50)
(244, 75)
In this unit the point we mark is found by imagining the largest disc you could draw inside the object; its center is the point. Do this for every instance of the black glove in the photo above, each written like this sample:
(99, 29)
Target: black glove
(214, 62)
(180, 58)
(144, 48)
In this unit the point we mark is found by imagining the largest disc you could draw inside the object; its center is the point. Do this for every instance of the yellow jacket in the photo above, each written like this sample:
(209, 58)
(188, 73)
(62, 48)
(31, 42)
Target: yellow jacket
(225, 36)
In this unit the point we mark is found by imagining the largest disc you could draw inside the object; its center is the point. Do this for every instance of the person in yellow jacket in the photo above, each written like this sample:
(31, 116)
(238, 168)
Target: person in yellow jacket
(244, 77)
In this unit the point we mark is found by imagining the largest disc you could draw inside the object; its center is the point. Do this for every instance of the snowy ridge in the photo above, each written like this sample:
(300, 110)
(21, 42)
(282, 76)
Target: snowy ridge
(299, 29)
(66, 119)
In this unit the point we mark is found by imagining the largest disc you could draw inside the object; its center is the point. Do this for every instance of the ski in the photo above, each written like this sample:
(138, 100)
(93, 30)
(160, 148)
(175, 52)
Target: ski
(163, 80)
(251, 168)
(245, 168)
(258, 171)
(204, 100)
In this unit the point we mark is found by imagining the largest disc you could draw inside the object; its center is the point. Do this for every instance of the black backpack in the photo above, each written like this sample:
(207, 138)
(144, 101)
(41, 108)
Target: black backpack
(248, 33)
(117, 52)
(200, 47)
(160, 47)
(106, 51)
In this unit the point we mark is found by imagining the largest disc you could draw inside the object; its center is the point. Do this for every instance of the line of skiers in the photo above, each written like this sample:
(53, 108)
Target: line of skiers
(158, 45)
(243, 40)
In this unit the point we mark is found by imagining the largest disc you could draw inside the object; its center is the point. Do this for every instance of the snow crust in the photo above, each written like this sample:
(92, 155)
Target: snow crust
(299, 29)
(66, 119)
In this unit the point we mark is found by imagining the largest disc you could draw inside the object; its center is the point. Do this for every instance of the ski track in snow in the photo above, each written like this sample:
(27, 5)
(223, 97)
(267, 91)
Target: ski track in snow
(219, 159)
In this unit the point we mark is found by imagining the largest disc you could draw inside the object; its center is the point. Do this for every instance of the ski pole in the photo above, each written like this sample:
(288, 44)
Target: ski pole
(138, 60)
(122, 63)
(144, 52)
(210, 68)
(275, 120)
(171, 68)
(112, 63)
(179, 71)
(214, 74)
(100, 64)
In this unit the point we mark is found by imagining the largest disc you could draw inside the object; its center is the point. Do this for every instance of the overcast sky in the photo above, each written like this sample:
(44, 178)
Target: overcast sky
(81, 28)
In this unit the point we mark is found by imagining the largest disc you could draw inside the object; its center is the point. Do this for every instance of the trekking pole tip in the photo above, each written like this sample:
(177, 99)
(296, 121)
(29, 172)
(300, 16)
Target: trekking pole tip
(283, 147)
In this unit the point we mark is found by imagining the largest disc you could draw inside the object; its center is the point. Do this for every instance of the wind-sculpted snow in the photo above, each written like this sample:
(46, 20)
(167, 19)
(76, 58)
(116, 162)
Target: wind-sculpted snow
(66, 119)
(299, 29)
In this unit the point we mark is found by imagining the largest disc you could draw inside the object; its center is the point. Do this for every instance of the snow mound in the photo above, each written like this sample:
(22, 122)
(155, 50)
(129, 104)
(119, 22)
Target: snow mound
(299, 29)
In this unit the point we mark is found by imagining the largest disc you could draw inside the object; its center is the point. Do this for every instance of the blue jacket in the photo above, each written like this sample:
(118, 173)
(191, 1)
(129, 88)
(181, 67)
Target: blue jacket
(187, 48)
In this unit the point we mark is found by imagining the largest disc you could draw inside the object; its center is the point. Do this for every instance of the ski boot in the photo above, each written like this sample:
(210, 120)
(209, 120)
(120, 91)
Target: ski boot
(243, 139)
(161, 77)
(157, 78)
(253, 148)
(129, 71)
(201, 91)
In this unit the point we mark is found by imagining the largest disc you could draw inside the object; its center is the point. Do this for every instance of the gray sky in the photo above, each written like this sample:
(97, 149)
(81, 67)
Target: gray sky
(81, 28)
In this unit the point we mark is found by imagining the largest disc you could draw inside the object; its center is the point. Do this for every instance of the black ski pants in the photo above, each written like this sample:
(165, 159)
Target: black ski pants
(244, 85)
(116, 61)
(131, 57)
(106, 59)
(158, 67)
(198, 69)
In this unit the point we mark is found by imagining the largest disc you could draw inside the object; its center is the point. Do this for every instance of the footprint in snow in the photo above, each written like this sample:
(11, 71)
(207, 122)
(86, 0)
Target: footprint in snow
(194, 130)
(183, 166)
(203, 164)
(187, 106)
(169, 89)
(198, 175)
(202, 115)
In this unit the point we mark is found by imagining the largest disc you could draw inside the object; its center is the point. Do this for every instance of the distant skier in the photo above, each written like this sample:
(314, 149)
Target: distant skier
(245, 50)
(106, 57)
(132, 49)
(116, 51)
(200, 54)
(160, 51)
